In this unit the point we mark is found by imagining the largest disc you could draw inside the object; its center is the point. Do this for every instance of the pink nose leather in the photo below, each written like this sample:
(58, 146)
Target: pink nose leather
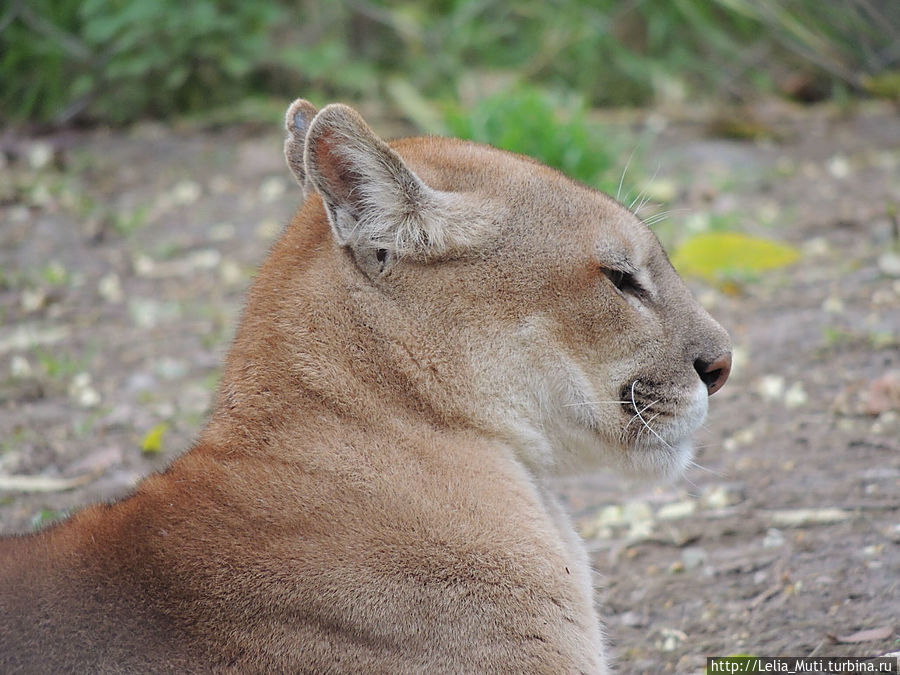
(714, 374)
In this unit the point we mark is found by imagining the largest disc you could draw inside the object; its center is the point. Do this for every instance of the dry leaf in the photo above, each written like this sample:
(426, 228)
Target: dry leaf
(43, 483)
(800, 517)
(716, 256)
(869, 635)
(152, 442)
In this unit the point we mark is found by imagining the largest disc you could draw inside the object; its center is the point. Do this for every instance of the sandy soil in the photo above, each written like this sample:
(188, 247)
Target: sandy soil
(124, 257)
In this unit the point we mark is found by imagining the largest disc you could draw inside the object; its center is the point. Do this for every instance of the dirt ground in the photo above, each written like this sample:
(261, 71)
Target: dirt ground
(124, 257)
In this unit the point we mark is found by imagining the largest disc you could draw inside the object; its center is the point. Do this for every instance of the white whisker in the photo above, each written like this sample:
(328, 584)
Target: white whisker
(659, 217)
(639, 412)
(641, 417)
(694, 465)
(624, 171)
(692, 484)
(641, 194)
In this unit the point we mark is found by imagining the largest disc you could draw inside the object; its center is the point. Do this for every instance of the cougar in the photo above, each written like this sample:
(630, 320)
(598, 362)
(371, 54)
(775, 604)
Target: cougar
(441, 328)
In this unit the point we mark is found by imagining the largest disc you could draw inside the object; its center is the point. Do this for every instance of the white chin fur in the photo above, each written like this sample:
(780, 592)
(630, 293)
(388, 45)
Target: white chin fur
(672, 448)
(660, 461)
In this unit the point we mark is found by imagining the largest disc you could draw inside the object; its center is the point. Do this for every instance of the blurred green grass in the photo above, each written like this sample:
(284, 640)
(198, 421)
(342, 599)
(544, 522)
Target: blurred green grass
(532, 122)
(115, 61)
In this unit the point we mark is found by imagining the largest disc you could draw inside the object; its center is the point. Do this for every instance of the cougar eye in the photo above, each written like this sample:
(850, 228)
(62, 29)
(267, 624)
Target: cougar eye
(624, 281)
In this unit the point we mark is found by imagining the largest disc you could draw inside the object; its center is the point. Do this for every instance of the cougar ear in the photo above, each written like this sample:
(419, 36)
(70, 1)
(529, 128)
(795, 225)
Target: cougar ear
(376, 205)
(299, 116)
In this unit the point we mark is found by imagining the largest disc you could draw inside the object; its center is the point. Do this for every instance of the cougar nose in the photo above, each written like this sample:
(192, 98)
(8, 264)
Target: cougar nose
(714, 374)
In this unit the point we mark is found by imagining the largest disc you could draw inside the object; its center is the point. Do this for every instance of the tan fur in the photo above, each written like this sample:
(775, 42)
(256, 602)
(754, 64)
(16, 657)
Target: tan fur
(434, 334)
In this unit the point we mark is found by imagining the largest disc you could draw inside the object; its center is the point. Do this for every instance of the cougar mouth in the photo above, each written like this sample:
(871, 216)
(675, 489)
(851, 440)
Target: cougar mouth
(660, 421)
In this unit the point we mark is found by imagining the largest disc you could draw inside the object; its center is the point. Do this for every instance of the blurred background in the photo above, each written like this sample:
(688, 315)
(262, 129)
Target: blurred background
(116, 61)
(142, 182)
(524, 76)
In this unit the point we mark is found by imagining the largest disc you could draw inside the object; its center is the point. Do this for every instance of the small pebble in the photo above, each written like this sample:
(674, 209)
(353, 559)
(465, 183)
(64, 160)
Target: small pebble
(230, 273)
(272, 189)
(817, 247)
(81, 390)
(205, 259)
(795, 397)
(40, 155)
(774, 538)
(770, 387)
(889, 264)
(110, 288)
(697, 222)
(833, 305)
(838, 166)
(186, 192)
(143, 265)
(268, 229)
(33, 299)
(633, 620)
(671, 638)
(693, 557)
(19, 367)
(677, 510)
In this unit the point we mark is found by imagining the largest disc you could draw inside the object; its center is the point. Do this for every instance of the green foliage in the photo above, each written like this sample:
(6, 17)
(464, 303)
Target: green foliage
(115, 60)
(128, 222)
(884, 85)
(54, 273)
(612, 53)
(531, 122)
(60, 365)
(848, 42)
